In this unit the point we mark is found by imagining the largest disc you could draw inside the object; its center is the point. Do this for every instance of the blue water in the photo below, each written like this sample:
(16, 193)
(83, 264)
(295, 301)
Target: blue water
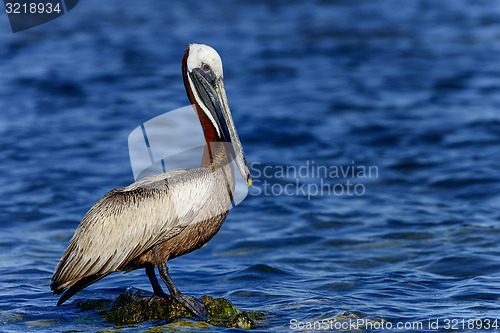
(408, 88)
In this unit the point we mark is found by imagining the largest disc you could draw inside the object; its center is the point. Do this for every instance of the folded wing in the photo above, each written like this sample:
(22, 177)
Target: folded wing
(128, 221)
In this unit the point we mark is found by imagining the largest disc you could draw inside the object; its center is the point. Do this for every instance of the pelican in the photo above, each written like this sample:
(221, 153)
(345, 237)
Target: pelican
(167, 215)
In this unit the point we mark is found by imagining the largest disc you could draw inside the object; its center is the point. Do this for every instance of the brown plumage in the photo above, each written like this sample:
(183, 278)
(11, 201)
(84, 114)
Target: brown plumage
(167, 215)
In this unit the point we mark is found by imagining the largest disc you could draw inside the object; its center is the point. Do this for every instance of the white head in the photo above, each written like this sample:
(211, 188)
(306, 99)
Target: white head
(201, 55)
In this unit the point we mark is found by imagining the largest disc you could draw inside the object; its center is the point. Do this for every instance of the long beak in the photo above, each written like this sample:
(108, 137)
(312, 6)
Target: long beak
(212, 93)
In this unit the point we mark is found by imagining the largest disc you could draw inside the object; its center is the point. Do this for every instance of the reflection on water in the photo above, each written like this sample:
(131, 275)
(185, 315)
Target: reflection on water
(413, 92)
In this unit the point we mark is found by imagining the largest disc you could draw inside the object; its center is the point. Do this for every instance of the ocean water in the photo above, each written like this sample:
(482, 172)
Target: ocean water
(372, 129)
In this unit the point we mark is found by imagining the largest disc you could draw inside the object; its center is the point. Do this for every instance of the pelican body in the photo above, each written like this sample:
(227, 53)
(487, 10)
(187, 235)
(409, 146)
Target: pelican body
(166, 215)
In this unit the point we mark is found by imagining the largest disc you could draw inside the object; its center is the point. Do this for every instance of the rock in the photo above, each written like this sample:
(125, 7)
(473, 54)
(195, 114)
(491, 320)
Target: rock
(239, 320)
(219, 307)
(135, 306)
(224, 313)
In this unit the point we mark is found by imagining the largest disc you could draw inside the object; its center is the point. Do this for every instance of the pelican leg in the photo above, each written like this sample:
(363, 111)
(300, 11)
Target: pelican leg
(157, 291)
(194, 305)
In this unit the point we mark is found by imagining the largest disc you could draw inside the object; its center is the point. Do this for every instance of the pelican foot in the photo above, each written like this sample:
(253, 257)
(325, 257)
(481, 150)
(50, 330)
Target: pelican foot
(194, 305)
(157, 296)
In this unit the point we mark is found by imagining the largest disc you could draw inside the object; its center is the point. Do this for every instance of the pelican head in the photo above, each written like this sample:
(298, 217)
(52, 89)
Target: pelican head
(203, 79)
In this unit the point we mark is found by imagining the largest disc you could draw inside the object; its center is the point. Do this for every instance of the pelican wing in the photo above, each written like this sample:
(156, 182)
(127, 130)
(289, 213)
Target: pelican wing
(128, 221)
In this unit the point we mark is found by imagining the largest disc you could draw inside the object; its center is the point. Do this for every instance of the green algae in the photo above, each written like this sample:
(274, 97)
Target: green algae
(135, 306)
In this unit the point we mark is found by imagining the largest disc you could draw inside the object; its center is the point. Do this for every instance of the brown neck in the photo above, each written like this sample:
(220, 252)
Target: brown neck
(208, 129)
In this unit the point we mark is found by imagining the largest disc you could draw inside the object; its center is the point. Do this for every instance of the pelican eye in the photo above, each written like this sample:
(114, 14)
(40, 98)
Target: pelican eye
(206, 68)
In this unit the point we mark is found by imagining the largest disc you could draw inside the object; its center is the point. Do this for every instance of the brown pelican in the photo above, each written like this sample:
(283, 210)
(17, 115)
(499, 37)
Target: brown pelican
(167, 215)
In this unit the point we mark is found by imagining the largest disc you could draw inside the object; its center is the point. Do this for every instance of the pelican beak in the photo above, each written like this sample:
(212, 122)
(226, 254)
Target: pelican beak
(213, 95)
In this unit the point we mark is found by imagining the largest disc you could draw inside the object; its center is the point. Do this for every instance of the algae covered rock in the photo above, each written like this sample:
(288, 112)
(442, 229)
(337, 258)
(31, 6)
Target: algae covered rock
(224, 313)
(135, 306)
